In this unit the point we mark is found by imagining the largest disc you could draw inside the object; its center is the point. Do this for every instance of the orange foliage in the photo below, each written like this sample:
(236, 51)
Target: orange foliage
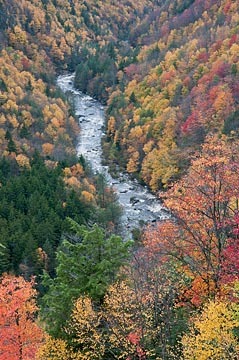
(73, 182)
(203, 204)
(88, 197)
(47, 148)
(191, 68)
(20, 336)
(23, 160)
(198, 292)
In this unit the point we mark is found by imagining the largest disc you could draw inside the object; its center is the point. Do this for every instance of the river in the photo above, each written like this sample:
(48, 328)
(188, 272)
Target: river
(138, 204)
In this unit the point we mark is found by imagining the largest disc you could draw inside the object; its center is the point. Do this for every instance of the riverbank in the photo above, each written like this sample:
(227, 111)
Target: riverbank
(139, 206)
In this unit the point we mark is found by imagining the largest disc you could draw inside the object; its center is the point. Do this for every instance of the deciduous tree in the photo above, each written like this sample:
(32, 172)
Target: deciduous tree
(20, 335)
(211, 335)
(203, 206)
(87, 330)
(54, 349)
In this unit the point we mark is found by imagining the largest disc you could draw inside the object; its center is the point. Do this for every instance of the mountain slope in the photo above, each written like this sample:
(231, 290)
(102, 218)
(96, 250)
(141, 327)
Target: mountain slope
(182, 86)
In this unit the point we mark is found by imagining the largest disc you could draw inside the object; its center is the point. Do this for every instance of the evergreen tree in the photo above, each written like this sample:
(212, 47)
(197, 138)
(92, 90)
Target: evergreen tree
(87, 263)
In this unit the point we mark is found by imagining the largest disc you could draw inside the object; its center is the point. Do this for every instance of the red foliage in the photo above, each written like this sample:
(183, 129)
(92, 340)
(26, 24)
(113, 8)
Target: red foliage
(220, 69)
(227, 7)
(187, 81)
(167, 76)
(203, 57)
(213, 93)
(230, 265)
(206, 78)
(233, 40)
(191, 123)
(26, 64)
(164, 30)
(196, 294)
(217, 45)
(204, 236)
(20, 336)
(134, 339)
(235, 91)
(131, 71)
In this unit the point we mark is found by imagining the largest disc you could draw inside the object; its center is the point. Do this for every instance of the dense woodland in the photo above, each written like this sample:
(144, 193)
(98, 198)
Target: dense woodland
(71, 287)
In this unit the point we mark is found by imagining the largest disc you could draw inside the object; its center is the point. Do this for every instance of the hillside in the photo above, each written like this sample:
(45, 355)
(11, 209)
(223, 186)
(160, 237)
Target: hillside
(70, 287)
(182, 86)
(38, 133)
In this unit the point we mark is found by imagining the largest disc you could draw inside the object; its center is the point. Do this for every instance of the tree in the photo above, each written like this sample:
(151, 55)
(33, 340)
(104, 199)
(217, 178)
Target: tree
(54, 349)
(20, 335)
(137, 318)
(211, 335)
(203, 207)
(109, 213)
(113, 330)
(87, 263)
(11, 144)
(87, 330)
(158, 283)
(122, 315)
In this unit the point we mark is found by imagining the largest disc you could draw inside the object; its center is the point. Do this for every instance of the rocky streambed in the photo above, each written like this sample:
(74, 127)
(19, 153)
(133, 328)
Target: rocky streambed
(138, 204)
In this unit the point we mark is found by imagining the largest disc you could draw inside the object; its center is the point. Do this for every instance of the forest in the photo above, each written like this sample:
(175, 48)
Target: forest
(71, 286)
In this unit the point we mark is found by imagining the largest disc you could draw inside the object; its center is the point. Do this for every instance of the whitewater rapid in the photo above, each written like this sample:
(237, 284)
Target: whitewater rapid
(138, 204)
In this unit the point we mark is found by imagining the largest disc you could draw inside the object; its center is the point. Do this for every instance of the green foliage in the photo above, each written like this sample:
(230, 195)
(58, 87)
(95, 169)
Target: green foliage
(231, 123)
(180, 6)
(4, 256)
(87, 262)
(32, 215)
(108, 214)
(96, 72)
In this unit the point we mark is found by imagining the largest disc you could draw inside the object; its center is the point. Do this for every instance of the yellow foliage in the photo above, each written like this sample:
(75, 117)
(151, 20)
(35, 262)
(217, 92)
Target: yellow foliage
(91, 188)
(2, 134)
(67, 172)
(111, 127)
(234, 50)
(51, 131)
(148, 146)
(88, 197)
(19, 92)
(27, 117)
(11, 105)
(133, 162)
(126, 326)
(39, 85)
(53, 349)
(17, 36)
(224, 103)
(13, 121)
(85, 323)
(55, 122)
(77, 170)
(47, 148)
(136, 134)
(159, 166)
(51, 164)
(211, 335)
(2, 119)
(73, 182)
(23, 160)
